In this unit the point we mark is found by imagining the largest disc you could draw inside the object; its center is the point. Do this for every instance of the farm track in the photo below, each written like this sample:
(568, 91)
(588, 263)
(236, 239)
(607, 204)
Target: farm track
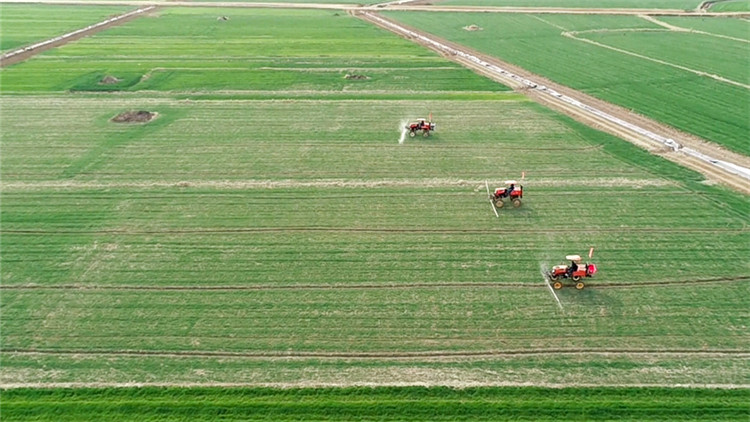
(395, 6)
(376, 230)
(410, 286)
(430, 355)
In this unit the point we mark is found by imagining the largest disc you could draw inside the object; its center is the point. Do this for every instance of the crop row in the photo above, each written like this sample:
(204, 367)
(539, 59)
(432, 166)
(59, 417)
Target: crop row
(544, 368)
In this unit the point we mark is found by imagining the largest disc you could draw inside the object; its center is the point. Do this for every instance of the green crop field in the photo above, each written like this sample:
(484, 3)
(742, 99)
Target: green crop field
(597, 4)
(26, 24)
(731, 6)
(177, 50)
(273, 227)
(695, 82)
(382, 404)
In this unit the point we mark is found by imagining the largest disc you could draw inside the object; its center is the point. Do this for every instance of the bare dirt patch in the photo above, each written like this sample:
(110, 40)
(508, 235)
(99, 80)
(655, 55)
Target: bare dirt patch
(356, 76)
(472, 28)
(109, 80)
(135, 116)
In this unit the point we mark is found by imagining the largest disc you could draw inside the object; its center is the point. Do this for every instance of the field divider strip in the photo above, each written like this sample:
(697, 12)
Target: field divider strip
(383, 355)
(369, 230)
(405, 286)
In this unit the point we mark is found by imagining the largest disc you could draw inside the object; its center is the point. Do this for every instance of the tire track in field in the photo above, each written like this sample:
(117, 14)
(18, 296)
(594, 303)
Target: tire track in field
(503, 231)
(410, 286)
(24, 53)
(430, 355)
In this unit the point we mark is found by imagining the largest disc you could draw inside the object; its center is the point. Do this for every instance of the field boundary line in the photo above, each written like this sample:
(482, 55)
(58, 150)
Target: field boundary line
(318, 384)
(24, 53)
(303, 229)
(701, 73)
(384, 286)
(694, 31)
(479, 354)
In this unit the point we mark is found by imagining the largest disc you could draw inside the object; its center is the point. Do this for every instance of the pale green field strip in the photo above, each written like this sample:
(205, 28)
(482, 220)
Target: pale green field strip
(295, 140)
(381, 404)
(381, 322)
(710, 108)
(188, 49)
(545, 368)
(582, 4)
(24, 24)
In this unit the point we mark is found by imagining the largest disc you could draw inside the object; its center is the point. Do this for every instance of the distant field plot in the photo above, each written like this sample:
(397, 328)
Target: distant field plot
(731, 6)
(635, 63)
(715, 27)
(24, 24)
(190, 49)
(583, 4)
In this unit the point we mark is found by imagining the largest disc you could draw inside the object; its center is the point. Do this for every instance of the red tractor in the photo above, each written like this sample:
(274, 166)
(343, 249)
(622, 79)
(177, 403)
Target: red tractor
(511, 192)
(575, 271)
(420, 126)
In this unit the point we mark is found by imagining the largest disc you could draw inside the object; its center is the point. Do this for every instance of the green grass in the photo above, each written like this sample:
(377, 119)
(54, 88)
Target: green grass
(382, 404)
(709, 108)
(188, 49)
(23, 24)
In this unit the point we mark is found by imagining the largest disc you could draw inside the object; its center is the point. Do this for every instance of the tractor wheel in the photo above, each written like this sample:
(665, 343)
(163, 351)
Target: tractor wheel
(412, 134)
(576, 277)
(516, 203)
(580, 285)
(553, 277)
(557, 285)
(499, 203)
(426, 134)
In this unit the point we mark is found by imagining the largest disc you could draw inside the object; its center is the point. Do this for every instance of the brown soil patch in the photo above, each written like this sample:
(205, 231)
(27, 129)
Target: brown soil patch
(356, 77)
(472, 28)
(140, 116)
(109, 80)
